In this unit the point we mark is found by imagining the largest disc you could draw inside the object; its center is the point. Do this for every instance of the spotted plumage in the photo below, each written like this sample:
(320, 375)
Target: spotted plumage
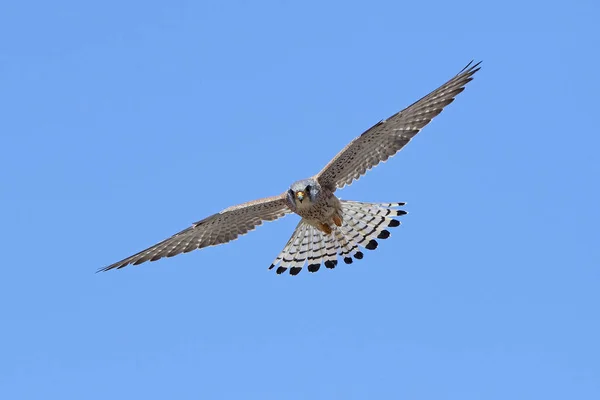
(330, 228)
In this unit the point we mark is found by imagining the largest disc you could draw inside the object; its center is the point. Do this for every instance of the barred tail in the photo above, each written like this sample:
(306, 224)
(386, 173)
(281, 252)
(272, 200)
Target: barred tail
(363, 224)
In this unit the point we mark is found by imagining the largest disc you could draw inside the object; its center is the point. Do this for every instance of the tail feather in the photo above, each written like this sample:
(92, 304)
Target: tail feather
(363, 224)
(331, 250)
(344, 246)
(316, 251)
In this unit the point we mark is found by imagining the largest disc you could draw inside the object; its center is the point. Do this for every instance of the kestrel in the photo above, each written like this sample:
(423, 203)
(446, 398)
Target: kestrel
(330, 227)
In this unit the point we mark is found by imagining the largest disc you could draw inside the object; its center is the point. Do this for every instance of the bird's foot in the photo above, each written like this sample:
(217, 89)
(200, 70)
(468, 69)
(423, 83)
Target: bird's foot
(324, 228)
(337, 220)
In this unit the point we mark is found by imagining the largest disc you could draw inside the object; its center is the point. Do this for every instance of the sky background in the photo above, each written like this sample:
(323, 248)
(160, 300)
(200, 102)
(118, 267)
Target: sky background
(124, 122)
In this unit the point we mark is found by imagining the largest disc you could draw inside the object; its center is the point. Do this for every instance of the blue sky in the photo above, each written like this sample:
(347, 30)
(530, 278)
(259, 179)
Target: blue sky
(122, 123)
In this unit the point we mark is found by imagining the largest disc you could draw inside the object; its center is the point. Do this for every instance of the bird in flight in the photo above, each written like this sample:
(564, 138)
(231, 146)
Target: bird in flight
(330, 227)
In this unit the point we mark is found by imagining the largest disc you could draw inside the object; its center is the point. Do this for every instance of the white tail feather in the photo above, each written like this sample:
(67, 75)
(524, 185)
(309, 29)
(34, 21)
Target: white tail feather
(363, 223)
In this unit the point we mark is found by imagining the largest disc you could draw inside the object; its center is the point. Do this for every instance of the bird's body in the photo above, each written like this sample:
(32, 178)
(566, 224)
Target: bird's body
(329, 227)
(321, 209)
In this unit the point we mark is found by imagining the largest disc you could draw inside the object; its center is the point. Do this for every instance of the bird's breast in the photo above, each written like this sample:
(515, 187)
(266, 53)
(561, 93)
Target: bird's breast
(322, 210)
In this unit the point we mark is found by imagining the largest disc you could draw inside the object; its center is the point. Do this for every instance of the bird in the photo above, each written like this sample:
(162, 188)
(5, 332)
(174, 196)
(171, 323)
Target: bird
(329, 228)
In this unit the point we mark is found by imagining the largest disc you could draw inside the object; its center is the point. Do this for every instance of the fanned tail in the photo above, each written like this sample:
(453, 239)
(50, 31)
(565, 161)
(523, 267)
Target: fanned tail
(363, 224)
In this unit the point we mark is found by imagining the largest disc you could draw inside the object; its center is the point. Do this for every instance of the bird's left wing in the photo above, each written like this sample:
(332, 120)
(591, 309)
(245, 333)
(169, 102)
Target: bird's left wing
(219, 228)
(387, 137)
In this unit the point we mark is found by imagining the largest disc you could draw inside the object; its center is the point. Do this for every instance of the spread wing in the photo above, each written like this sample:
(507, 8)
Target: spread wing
(219, 228)
(387, 137)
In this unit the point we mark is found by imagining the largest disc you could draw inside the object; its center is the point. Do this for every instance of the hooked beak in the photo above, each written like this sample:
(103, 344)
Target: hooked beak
(300, 195)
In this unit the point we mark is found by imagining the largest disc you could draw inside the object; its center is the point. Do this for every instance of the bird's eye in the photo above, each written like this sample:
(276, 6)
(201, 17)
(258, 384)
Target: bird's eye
(308, 189)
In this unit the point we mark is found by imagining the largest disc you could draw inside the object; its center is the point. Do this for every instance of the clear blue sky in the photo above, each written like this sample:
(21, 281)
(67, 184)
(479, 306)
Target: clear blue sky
(124, 122)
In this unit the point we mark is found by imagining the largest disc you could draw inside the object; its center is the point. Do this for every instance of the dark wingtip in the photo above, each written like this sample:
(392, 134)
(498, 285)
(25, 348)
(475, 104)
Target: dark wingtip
(372, 245)
(330, 264)
(384, 234)
(272, 266)
(112, 266)
(348, 260)
(358, 255)
(470, 67)
(295, 270)
(401, 212)
(466, 67)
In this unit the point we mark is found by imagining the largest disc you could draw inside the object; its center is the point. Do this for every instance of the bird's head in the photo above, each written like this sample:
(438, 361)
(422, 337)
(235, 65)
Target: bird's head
(303, 193)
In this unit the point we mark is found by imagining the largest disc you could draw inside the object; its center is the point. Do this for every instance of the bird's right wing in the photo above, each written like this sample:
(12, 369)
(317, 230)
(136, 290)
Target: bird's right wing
(219, 228)
(387, 137)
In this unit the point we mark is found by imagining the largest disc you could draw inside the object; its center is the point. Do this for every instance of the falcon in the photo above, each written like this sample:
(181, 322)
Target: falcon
(330, 227)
